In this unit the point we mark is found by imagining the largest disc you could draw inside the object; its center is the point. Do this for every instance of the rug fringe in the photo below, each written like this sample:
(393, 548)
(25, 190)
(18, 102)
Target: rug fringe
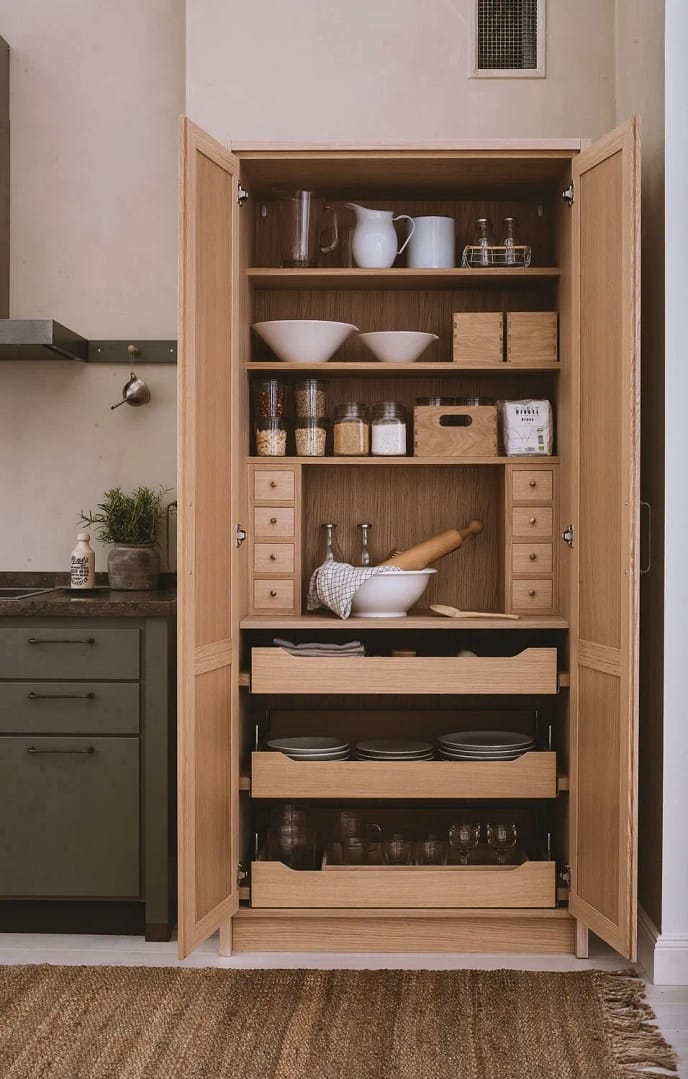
(637, 1043)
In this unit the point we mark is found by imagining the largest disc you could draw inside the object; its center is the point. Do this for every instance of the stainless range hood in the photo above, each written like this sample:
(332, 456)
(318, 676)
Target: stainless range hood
(40, 339)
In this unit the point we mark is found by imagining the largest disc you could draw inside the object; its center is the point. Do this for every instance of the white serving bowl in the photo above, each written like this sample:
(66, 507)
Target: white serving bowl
(398, 346)
(302, 340)
(390, 595)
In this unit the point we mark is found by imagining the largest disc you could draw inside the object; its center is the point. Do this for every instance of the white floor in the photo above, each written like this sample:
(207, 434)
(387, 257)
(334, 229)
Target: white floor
(670, 1003)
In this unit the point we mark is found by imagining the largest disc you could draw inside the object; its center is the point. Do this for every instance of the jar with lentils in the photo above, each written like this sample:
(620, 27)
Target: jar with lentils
(310, 398)
(351, 429)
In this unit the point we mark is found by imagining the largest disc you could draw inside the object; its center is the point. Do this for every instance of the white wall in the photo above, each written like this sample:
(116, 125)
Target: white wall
(96, 91)
(390, 69)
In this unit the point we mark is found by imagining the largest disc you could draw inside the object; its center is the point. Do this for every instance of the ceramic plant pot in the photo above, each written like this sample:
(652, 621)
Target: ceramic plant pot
(133, 567)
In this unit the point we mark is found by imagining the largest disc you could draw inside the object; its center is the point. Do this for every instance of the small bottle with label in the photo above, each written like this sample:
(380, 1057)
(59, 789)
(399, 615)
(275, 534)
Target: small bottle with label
(83, 564)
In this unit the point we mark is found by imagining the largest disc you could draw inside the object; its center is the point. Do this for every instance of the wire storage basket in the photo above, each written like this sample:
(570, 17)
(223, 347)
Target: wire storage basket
(480, 256)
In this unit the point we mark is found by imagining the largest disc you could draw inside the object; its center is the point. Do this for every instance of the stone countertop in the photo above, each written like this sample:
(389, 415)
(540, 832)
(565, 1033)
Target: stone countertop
(162, 603)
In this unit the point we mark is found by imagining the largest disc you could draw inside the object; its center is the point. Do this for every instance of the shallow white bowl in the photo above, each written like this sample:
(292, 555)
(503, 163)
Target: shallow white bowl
(302, 340)
(390, 595)
(398, 346)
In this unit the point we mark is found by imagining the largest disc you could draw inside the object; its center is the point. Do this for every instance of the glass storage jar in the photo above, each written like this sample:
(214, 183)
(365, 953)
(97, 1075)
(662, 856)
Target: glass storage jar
(310, 398)
(269, 398)
(271, 437)
(388, 430)
(310, 436)
(351, 429)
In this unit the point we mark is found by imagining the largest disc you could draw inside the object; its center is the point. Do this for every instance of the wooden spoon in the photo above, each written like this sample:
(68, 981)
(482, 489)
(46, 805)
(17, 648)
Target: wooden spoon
(454, 612)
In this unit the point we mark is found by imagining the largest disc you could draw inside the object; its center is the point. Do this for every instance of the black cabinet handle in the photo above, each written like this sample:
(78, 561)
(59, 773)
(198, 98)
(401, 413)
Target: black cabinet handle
(88, 751)
(60, 696)
(61, 640)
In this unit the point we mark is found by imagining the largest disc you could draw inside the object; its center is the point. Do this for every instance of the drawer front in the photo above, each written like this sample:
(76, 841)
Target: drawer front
(273, 670)
(75, 652)
(279, 484)
(69, 821)
(531, 884)
(531, 558)
(274, 521)
(69, 708)
(531, 595)
(273, 595)
(530, 521)
(273, 558)
(536, 484)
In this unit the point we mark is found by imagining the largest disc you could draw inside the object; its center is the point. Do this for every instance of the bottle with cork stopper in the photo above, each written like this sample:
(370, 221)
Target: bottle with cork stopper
(83, 563)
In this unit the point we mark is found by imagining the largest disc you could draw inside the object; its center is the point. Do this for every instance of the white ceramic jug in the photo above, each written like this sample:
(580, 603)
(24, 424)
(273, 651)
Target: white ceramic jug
(433, 245)
(374, 240)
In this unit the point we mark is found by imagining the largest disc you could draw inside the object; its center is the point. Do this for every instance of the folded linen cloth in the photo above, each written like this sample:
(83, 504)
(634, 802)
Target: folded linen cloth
(334, 583)
(326, 648)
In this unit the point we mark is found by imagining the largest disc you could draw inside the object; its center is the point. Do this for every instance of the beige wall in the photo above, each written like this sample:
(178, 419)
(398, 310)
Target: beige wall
(96, 89)
(392, 69)
(640, 89)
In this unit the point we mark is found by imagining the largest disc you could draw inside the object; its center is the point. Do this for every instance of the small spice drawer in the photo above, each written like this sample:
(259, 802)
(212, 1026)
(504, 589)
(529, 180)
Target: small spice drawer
(528, 521)
(274, 485)
(273, 595)
(531, 595)
(532, 558)
(530, 884)
(271, 521)
(84, 651)
(273, 558)
(532, 485)
(69, 708)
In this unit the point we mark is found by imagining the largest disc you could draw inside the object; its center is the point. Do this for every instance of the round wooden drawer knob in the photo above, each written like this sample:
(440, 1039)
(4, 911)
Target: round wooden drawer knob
(533, 483)
(273, 520)
(532, 521)
(531, 592)
(273, 483)
(273, 557)
(532, 557)
(273, 593)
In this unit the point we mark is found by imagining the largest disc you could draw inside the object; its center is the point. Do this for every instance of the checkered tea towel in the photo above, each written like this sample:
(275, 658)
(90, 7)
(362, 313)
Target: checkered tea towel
(320, 648)
(334, 583)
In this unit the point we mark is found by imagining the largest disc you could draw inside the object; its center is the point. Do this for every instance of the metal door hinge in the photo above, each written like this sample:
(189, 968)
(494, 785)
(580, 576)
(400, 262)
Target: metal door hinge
(242, 195)
(569, 535)
(569, 195)
(241, 535)
(242, 873)
(565, 875)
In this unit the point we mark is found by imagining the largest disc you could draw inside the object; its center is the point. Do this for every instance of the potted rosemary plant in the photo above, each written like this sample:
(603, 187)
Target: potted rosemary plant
(130, 524)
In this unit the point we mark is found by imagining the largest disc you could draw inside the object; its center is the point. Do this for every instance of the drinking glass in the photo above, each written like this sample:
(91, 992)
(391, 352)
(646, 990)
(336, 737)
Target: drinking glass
(356, 849)
(294, 846)
(431, 851)
(398, 850)
(301, 215)
(502, 837)
(464, 837)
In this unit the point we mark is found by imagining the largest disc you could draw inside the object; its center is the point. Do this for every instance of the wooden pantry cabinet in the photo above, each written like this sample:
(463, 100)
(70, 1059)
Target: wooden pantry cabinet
(559, 548)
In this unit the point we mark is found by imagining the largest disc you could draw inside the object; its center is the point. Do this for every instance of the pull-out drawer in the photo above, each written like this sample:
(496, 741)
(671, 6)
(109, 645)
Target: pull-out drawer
(531, 558)
(277, 595)
(273, 558)
(273, 670)
(75, 652)
(273, 775)
(273, 484)
(69, 708)
(269, 521)
(531, 595)
(529, 521)
(530, 884)
(532, 485)
(69, 816)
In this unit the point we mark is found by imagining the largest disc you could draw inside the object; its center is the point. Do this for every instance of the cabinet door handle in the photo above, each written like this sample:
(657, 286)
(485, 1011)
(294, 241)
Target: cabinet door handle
(273, 557)
(88, 751)
(532, 483)
(60, 696)
(273, 520)
(648, 566)
(532, 520)
(273, 593)
(531, 592)
(61, 640)
(273, 483)
(532, 557)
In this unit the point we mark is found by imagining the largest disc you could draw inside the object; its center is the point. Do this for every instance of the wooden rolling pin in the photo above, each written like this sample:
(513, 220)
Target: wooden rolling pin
(421, 556)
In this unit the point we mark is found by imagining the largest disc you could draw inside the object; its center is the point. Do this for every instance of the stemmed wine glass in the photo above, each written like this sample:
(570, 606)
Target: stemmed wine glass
(503, 838)
(464, 837)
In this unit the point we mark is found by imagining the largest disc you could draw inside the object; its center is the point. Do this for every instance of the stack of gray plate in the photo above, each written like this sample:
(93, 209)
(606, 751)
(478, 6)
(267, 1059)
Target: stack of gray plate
(312, 748)
(484, 745)
(394, 749)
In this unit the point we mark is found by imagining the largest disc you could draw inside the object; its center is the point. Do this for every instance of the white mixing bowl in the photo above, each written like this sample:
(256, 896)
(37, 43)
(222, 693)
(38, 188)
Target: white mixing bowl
(390, 595)
(302, 340)
(398, 346)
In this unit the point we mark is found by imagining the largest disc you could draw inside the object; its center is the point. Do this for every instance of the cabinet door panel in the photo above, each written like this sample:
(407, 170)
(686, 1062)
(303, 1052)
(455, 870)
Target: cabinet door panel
(207, 699)
(604, 559)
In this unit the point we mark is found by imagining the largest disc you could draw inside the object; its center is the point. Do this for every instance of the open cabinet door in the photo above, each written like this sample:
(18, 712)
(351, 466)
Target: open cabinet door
(207, 493)
(605, 513)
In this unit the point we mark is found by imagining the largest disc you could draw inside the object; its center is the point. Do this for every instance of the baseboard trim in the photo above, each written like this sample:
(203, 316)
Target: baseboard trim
(663, 957)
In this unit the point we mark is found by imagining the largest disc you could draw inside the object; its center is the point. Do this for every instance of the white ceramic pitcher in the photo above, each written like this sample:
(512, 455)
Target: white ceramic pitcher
(374, 240)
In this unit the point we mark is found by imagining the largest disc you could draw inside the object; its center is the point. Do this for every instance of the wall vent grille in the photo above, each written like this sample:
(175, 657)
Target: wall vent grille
(509, 37)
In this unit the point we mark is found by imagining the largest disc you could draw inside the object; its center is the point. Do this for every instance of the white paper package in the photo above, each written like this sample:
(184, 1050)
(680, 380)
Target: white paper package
(527, 428)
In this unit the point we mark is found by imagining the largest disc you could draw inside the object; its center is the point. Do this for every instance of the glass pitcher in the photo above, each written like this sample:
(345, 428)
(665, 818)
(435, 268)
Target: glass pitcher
(301, 225)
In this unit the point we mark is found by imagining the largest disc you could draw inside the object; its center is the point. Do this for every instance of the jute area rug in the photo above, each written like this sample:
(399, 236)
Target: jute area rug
(169, 1023)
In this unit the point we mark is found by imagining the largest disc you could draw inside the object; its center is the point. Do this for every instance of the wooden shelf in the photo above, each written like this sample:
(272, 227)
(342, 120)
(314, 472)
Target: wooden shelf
(383, 369)
(274, 775)
(309, 622)
(407, 460)
(401, 278)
